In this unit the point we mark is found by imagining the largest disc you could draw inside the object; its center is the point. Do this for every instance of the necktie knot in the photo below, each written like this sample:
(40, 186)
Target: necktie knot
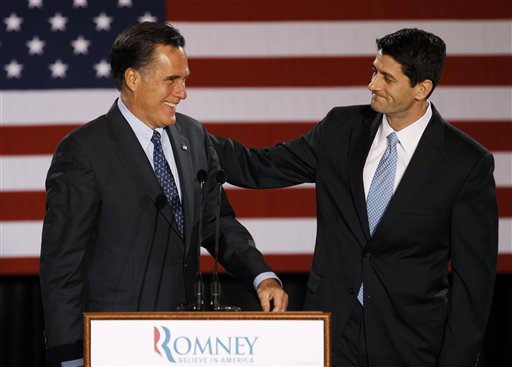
(155, 139)
(392, 139)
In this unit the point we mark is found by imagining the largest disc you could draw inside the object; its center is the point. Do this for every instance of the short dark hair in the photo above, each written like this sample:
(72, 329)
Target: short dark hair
(420, 53)
(133, 47)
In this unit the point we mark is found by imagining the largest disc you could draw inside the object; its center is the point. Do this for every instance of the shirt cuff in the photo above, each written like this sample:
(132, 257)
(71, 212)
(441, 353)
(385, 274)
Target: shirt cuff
(73, 363)
(266, 275)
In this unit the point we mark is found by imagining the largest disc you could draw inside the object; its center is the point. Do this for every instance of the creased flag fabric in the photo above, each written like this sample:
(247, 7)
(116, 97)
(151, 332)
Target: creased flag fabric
(261, 72)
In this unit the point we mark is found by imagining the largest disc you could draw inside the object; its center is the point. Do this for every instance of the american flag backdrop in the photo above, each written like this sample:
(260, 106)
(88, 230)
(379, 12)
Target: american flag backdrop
(261, 72)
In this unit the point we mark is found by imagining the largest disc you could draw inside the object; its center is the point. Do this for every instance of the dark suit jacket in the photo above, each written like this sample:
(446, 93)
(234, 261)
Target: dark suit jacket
(443, 210)
(108, 245)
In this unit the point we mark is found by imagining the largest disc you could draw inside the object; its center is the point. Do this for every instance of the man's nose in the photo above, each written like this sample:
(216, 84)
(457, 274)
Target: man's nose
(374, 82)
(181, 90)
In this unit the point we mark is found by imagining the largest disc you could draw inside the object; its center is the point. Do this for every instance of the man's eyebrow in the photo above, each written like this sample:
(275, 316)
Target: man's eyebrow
(385, 73)
(174, 77)
(171, 77)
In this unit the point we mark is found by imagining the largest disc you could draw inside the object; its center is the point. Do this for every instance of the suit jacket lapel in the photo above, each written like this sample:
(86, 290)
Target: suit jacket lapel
(130, 152)
(181, 149)
(360, 142)
(423, 162)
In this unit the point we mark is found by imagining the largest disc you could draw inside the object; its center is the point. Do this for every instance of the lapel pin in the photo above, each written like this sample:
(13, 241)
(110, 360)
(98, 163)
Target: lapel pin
(184, 147)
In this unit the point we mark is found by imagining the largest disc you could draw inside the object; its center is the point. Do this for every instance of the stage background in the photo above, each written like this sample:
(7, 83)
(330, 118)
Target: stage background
(262, 72)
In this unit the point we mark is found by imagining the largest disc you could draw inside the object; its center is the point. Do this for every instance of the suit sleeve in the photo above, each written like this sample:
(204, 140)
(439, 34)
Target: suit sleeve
(71, 206)
(237, 250)
(285, 164)
(474, 247)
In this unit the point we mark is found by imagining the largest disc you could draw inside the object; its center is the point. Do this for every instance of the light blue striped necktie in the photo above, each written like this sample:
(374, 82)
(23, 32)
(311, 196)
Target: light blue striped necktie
(381, 190)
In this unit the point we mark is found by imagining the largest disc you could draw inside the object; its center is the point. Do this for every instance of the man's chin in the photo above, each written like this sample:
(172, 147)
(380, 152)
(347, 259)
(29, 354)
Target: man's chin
(170, 122)
(376, 107)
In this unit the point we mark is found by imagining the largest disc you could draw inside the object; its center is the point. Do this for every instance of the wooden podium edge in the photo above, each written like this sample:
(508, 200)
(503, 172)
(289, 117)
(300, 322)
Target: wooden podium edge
(244, 315)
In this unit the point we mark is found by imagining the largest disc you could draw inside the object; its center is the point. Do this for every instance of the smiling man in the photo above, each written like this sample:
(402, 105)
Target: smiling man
(122, 219)
(400, 194)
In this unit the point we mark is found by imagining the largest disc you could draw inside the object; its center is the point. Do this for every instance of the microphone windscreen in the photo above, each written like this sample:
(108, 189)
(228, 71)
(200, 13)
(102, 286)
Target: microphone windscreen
(202, 175)
(160, 201)
(221, 176)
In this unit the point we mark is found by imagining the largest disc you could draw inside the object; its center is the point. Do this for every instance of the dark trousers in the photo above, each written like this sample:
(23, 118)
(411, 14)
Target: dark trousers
(352, 351)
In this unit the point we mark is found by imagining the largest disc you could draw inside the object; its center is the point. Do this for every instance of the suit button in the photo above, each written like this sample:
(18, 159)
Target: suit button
(367, 255)
(352, 291)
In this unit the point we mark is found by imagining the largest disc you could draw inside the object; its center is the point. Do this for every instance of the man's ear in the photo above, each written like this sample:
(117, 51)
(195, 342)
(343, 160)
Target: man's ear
(423, 89)
(131, 78)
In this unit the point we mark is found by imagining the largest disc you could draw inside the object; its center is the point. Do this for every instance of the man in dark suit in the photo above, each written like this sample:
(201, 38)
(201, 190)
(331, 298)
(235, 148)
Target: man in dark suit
(122, 221)
(400, 195)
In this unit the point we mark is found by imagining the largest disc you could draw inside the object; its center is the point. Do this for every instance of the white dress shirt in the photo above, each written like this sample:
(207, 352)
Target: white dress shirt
(144, 133)
(408, 141)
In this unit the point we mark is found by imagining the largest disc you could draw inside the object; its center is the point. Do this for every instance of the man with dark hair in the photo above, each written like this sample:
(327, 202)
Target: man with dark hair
(122, 219)
(400, 195)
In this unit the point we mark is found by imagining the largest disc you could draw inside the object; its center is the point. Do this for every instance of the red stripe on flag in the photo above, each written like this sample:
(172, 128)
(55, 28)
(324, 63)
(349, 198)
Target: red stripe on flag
(504, 195)
(292, 263)
(22, 205)
(325, 10)
(274, 203)
(477, 70)
(495, 136)
(34, 140)
(19, 265)
(335, 71)
(257, 134)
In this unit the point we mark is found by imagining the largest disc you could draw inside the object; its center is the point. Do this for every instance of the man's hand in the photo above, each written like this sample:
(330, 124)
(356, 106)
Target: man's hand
(271, 294)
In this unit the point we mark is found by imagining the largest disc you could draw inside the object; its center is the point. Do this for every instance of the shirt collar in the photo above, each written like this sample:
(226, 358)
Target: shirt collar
(141, 130)
(408, 137)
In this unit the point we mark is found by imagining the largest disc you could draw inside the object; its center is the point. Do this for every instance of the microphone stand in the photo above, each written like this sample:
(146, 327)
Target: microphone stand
(215, 287)
(198, 305)
(160, 202)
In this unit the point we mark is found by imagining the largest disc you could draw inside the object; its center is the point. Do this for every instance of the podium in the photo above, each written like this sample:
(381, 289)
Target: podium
(138, 339)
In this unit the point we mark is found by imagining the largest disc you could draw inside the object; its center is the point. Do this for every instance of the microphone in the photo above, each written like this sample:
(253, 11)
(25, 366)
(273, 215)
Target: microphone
(215, 287)
(159, 202)
(202, 177)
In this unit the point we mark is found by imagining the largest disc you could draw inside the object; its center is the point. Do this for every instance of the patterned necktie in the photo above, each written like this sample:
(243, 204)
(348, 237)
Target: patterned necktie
(381, 190)
(166, 180)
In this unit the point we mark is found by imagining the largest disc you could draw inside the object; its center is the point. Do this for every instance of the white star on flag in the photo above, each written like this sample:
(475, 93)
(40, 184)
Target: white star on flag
(102, 22)
(58, 69)
(13, 22)
(35, 46)
(102, 69)
(13, 69)
(79, 3)
(58, 22)
(80, 46)
(147, 17)
(124, 3)
(35, 4)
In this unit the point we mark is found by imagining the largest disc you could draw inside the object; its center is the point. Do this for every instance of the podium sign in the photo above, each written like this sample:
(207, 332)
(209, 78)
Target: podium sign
(207, 339)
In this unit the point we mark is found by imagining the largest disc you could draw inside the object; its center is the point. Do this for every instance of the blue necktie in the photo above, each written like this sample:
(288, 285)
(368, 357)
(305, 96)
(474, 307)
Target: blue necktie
(166, 180)
(381, 190)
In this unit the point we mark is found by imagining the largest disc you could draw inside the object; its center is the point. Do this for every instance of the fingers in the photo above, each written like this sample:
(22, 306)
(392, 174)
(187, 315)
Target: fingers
(265, 301)
(280, 300)
(272, 296)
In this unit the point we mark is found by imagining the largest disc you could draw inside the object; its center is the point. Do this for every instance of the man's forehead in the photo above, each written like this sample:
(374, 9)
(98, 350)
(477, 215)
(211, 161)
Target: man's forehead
(387, 62)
